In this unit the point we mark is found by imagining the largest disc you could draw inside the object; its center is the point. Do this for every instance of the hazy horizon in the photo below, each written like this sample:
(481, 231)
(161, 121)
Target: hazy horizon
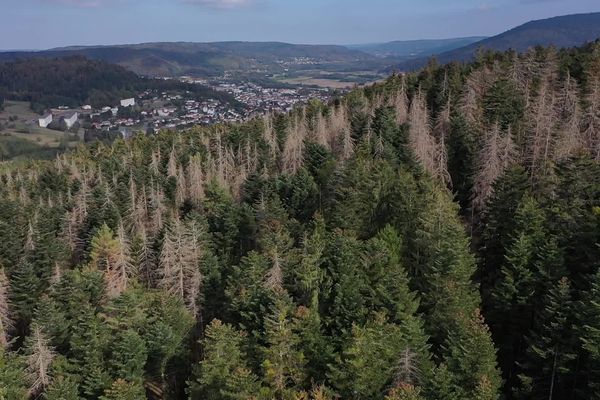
(45, 24)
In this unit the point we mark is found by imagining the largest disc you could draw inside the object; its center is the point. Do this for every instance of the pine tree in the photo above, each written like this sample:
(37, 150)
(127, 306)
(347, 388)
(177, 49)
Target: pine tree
(13, 379)
(532, 260)
(123, 390)
(589, 333)
(112, 256)
(129, 356)
(376, 358)
(471, 359)
(224, 367)
(25, 291)
(283, 363)
(546, 373)
(62, 389)
(404, 392)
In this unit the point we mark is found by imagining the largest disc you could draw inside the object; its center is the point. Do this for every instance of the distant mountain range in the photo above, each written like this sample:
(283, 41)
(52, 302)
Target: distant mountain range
(263, 60)
(410, 49)
(209, 59)
(565, 31)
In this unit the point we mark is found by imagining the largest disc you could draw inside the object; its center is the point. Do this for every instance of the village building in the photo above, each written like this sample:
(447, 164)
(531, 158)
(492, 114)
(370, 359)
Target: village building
(128, 102)
(45, 121)
(70, 119)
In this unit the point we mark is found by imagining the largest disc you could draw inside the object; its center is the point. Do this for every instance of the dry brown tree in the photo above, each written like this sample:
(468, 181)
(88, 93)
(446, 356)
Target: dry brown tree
(293, 148)
(123, 269)
(155, 161)
(421, 140)
(195, 179)
(569, 141)
(470, 104)
(172, 163)
(269, 135)
(57, 273)
(407, 370)
(181, 189)
(495, 156)
(158, 209)
(274, 276)
(442, 130)
(39, 360)
(320, 131)
(138, 213)
(542, 119)
(338, 125)
(399, 101)
(5, 317)
(75, 218)
(179, 263)
(591, 123)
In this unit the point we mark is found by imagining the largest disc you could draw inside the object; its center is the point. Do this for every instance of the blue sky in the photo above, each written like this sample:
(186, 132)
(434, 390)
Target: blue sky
(41, 24)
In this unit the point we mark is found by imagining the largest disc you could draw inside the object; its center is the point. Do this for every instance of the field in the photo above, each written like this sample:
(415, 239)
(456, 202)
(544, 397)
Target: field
(333, 80)
(20, 134)
(321, 82)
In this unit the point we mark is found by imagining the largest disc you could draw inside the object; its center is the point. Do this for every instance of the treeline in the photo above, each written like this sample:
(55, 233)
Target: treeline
(12, 147)
(76, 80)
(435, 236)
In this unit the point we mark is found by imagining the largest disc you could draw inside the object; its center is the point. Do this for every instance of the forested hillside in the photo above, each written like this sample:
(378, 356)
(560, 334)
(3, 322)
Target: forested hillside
(435, 236)
(75, 80)
(561, 32)
(212, 59)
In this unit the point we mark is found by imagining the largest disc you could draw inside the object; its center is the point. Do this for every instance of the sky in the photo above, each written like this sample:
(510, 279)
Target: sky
(43, 24)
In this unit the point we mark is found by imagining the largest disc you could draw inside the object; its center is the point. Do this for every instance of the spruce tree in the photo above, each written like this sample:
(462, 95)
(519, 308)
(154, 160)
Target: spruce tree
(547, 369)
(223, 372)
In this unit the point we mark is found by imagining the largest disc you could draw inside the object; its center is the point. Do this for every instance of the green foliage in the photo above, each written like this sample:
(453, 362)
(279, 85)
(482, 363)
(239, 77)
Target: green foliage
(13, 383)
(223, 373)
(123, 390)
(356, 269)
(551, 348)
(504, 104)
(62, 389)
(75, 80)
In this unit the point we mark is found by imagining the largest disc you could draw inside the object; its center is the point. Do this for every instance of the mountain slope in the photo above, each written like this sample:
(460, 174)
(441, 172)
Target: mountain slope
(76, 80)
(564, 31)
(409, 49)
(162, 59)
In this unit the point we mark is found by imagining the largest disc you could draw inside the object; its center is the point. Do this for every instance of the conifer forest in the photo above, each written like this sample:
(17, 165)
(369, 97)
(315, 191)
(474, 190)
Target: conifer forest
(434, 236)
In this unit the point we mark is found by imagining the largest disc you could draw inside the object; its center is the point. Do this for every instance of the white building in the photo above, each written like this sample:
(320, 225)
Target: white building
(87, 107)
(70, 119)
(114, 111)
(47, 120)
(128, 102)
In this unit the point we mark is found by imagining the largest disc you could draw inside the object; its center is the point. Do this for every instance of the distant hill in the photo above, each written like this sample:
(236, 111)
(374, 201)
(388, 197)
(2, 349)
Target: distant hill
(410, 49)
(75, 80)
(564, 31)
(208, 59)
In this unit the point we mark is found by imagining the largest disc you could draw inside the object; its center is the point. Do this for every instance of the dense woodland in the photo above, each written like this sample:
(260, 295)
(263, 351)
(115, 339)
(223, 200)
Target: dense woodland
(75, 80)
(435, 236)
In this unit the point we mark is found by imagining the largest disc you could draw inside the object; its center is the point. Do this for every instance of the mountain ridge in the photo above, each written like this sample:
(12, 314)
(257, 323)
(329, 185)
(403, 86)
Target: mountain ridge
(415, 48)
(210, 58)
(560, 31)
